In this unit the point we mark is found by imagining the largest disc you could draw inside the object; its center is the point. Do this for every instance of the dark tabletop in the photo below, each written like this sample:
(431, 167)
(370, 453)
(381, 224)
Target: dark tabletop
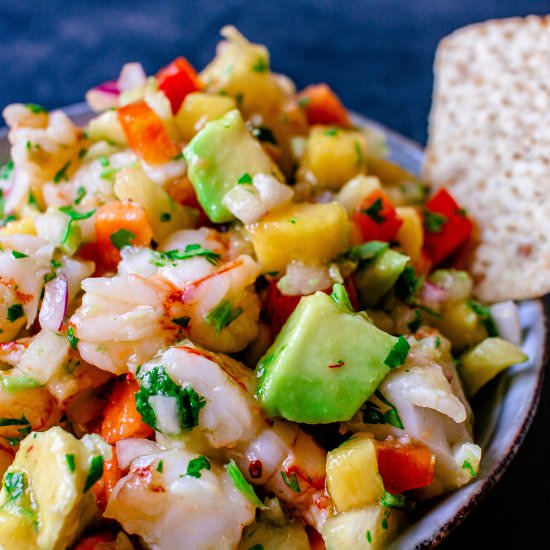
(376, 54)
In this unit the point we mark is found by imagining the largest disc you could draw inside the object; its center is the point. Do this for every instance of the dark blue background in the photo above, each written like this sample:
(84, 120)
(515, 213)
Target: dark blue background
(377, 54)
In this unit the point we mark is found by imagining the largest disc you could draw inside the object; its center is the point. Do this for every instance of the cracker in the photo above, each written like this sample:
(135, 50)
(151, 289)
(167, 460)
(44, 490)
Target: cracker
(489, 144)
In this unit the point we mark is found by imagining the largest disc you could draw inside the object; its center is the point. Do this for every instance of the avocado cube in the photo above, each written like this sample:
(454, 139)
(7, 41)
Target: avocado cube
(218, 156)
(324, 364)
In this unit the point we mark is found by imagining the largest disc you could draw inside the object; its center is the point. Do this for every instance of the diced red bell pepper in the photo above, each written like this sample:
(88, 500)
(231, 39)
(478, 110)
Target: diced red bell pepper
(322, 106)
(146, 133)
(178, 80)
(96, 542)
(446, 226)
(377, 218)
(405, 467)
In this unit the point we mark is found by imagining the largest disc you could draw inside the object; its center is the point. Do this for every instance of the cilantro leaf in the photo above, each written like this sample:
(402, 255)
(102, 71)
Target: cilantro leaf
(6, 170)
(223, 315)
(18, 255)
(467, 465)
(61, 174)
(157, 382)
(73, 340)
(260, 65)
(95, 472)
(373, 211)
(122, 237)
(398, 354)
(15, 311)
(34, 108)
(400, 502)
(242, 484)
(485, 317)
(434, 221)
(14, 421)
(14, 483)
(69, 458)
(373, 415)
(80, 194)
(195, 466)
(191, 251)
(74, 214)
(245, 179)
(292, 481)
(408, 284)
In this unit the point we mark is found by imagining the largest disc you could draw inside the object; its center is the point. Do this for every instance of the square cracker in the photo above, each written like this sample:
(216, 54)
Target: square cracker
(489, 144)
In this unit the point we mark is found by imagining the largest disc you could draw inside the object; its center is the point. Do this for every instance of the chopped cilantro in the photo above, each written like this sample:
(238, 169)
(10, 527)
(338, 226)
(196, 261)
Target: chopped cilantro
(366, 251)
(293, 221)
(80, 194)
(331, 132)
(157, 382)
(437, 342)
(61, 174)
(191, 251)
(242, 484)
(14, 421)
(95, 472)
(467, 465)
(182, 321)
(398, 354)
(109, 174)
(55, 264)
(82, 153)
(368, 536)
(223, 315)
(122, 238)
(17, 255)
(373, 415)
(245, 179)
(264, 134)
(257, 547)
(104, 161)
(339, 296)
(73, 340)
(75, 215)
(32, 200)
(6, 170)
(34, 108)
(373, 211)
(14, 483)
(414, 325)
(195, 466)
(7, 219)
(400, 502)
(23, 432)
(160, 466)
(165, 217)
(434, 221)
(260, 65)
(485, 317)
(291, 481)
(69, 458)
(15, 311)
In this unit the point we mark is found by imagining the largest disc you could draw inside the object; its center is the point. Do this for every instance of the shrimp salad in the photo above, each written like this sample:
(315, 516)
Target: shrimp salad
(227, 321)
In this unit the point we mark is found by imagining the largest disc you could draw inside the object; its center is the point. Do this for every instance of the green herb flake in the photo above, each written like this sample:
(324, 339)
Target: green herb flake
(73, 340)
(82, 153)
(292, 481)
(195, 466)
(80, 194)
(18, 255)
(331, 132)
(467, 465)
(223, 315)
(485, 317)
(374, 211)
(260, 65)
(368, 536)
(34, 108)
(61, 174)
(398, 354)
(191, 251)
(157, 382)
(14, 421)
(437, 342)
(74, 215)
(122, 238)
(415, 324)
(339, 296)
(384, 524)
(165, 217)
(14, 484)
(6, 170)
(15, 311)
(55, 264)
(104, 161)
(109, 174)
(160, 466)
(242, 484)
(434, 221)
(245, 179)
(69, 458)
(293, 221)
(32, 200)
(95, 472)
(366, 251)
(399, 502)
(264, 134)
(373, 415)
(257, 547)
(183, 322)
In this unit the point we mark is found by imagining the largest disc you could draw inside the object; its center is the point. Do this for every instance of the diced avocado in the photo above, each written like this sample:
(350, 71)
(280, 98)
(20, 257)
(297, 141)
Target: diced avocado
(324, 364)
(375, 278)
(370, 528)
(486, 360)
(46, 497)
(218, 156)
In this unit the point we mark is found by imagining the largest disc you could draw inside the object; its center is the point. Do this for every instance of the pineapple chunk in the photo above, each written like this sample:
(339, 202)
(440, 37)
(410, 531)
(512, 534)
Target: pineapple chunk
(370, 528)
(310, 233)
(199, 108)
(486, 360)
(353, 480)
(106, 127)
(333, 156)
(25, 226)
(389, 173)
(275, 537)
(411, 233)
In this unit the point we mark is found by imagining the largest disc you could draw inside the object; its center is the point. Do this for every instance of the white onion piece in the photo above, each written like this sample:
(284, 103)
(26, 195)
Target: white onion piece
(103, 97)
(127, 450)
(506, 318)
(302, 279)
(54, 304)
(166, 413)
(131, 76)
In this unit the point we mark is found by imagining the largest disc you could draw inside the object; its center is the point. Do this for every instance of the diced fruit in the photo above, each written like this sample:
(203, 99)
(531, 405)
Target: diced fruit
(25, 226)
(411, 233)
(177, 80)
(199, 108)
(389, 173)
(353, 480)
(310, 233)
(106, 127)
(322, 106)
(486, 360)
(218, 156)
(270, 536)
(376, 277)
(370, 528)
(333, 157)
(146, 133)
(48, 483)
(377, 218)
(354, 191)
(405, 467)
(447, 226)
(164, 214)
(324, 364)
(120, 224)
